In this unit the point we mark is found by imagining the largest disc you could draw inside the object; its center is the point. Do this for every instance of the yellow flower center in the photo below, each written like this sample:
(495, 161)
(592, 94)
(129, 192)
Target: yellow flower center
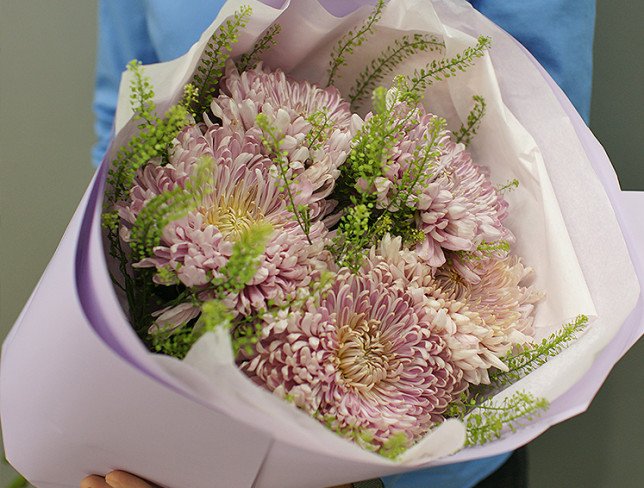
(235, 213)
(364, 358)
(452, 284)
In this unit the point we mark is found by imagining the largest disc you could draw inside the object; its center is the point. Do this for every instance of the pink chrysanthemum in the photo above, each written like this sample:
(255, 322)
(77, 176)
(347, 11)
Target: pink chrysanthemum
(366, 359)
(314, 155)
(195, 247)
(461, 328)
(480, 322)
(499, 307)
(457, 206)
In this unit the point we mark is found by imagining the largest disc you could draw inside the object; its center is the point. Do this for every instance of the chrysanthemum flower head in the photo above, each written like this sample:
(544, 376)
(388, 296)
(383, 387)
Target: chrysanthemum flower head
(366, 359)
(480, 322)
(316, 123)
(499, 307)
(457, 207)
(243, 194)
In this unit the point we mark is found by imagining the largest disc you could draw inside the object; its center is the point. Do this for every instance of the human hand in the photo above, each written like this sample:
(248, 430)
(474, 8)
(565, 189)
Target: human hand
(115, 479)
(121, 479)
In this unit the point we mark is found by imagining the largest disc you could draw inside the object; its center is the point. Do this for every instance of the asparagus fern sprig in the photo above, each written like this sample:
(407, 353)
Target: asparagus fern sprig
(487, 421)
(167, 207)
(363, 222)
(321, 126)
(231, 278)
(272, 140)
(213, 60)
(242, 265)
(351, 40)
(469, 129)
(414, 87)
(269, 39)
(509, 186)
(530, 357)
(394, 446)
(153, 140)
(388, 60)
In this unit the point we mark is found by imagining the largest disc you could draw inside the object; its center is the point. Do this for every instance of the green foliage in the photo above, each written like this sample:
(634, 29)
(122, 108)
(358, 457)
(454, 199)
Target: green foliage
(154, 137)
(463, 405)
(18, 482)
(232, 278)
(320, 129)
(176, 344)
(394, 446)
(493, 247)
(530, 357)
(372, 147)
(272, 140)
(467, 131)
(358, 434)
(311, 294)
(349, 247)
(485, 419)
(238, 271)
(244, 260)
(488, 420)
(394, 115)
(413, 88)
(111, 220)
(213, 60)
(353, 235)
(245, 336)
(153, 140)
(141, 93)
(486, 250)
(179, 341)
(247, 330)
(167, 276)
(167, 207)
(388, 60)
(509, 186)
(421, 169)
(190, 97)
(351, 40)
(214, 314)
(269, 39)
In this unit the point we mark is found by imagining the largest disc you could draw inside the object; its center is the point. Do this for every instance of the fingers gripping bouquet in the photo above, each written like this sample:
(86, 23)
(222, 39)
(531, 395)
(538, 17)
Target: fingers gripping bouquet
(332, 229)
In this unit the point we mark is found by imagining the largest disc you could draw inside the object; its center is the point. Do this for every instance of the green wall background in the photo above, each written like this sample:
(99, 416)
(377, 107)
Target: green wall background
(46, 75)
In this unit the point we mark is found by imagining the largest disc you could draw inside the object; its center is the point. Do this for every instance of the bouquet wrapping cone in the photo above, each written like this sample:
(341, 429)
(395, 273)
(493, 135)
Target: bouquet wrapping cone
(80, 394)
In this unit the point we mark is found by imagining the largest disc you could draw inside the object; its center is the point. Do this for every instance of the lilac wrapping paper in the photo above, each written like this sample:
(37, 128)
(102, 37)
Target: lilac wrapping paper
(80, 394)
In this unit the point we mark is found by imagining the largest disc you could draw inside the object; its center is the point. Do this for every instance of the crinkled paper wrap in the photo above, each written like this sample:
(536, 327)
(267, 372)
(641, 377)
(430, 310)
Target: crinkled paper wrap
(81, 395)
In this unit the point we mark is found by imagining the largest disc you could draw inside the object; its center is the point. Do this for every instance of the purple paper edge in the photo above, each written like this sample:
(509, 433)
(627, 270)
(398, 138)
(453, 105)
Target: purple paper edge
(85, 287)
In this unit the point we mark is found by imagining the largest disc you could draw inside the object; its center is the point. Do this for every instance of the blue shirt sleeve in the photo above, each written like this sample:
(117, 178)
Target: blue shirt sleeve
(148, 30)
(460, 475)
(122, 36)
(559, 33)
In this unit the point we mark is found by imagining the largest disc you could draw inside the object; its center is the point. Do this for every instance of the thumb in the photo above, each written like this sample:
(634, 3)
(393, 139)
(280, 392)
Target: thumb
(121, 479)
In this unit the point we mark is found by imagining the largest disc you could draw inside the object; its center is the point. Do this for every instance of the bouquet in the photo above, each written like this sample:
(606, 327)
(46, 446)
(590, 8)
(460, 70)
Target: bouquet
(342, 248)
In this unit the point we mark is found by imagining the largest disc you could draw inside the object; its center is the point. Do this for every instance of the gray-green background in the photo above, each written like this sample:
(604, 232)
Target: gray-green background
(46, 75)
